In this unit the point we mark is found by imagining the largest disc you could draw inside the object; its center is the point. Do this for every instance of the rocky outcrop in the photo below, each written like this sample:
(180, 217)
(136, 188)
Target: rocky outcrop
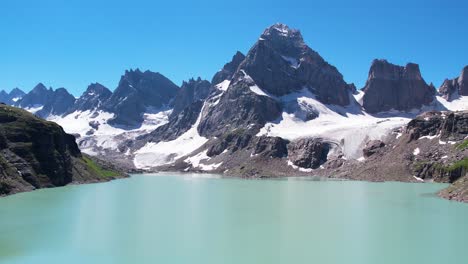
(448, 126)
(372, 147)
(232, 141)
(452, 89)
(393, 87)
(38, 154)
(308, 152)
(274, 147)
(93, 98)
(137, 93)
(227, 72)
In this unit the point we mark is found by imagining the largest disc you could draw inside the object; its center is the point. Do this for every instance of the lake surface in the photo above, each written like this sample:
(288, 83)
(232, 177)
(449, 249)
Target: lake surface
(185, 219)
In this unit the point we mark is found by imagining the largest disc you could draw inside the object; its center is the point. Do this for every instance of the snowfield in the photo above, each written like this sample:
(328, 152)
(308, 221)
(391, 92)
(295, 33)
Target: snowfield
(348, 127)
(94, 140)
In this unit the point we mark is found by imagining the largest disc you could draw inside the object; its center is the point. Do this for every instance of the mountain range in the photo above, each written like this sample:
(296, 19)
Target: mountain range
(279, 109)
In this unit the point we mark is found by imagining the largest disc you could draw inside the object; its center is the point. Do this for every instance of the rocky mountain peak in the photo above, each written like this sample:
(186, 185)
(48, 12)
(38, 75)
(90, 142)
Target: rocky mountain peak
(94, 97)
(227, 72)
(279, 31)
(281, 63)
(137, 91)
(40, 87)
(391, 86)
(451, 89)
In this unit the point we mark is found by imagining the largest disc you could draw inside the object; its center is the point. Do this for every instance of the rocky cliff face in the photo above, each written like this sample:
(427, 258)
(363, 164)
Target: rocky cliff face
(38, 154)
(139, 92)
(93, 98)
(452, 89)
(395, 87)
(190, 92)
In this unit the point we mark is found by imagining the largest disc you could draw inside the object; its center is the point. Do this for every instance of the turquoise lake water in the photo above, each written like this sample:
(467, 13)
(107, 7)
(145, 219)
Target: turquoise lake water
(185, 219)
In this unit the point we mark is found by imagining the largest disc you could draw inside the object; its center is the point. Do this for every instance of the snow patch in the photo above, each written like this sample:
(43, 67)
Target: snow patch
(224, 85)
(416, 151)
(298, 168)
(418, 179)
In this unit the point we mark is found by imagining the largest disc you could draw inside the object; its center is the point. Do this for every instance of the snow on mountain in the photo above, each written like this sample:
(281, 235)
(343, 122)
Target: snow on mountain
(96, 136)
(165, 152)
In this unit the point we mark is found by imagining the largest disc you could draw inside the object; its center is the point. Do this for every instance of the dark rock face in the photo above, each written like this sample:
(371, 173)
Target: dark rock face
(281, 63)
(37, 154)
(227, 72)
(238, 108)
(275, 147)
(137, 92)
(190, 92)
(451, 126)
(232, 141)
(94, 97)
(59, 103)
(308, 152)
(39, 95)
(453, 88)
(395, 87)
(40, 150)
(372, 147)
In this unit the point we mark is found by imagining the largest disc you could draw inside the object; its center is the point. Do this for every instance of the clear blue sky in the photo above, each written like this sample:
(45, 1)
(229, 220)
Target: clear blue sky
(73, 43)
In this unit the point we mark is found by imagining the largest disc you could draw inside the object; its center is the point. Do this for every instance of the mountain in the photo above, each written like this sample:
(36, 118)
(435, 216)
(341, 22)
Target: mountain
(139, 92)
(16, 94)
(93, 98)
(12, 97)
(393, 87)
(36, 98)
(278, 64)
(452, 89)
(38, 154)
(59, 103)
(186, 109)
